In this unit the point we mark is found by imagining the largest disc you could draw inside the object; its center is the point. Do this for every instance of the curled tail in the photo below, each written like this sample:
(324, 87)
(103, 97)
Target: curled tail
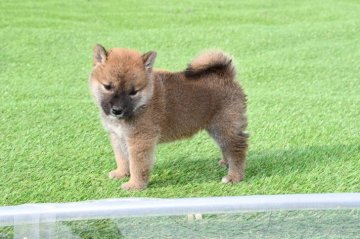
(212, 62)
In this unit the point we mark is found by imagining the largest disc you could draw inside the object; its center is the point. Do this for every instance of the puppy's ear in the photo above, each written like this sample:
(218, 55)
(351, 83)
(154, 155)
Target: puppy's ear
(149, 59)
(100, 54)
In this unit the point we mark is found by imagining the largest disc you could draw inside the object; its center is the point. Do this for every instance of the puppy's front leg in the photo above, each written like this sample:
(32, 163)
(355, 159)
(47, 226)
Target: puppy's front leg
(121, 157)
(141, 158)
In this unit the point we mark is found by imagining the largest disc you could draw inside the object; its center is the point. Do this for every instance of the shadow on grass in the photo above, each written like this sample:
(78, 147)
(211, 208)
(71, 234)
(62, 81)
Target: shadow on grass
(184, 170)
(283, 162)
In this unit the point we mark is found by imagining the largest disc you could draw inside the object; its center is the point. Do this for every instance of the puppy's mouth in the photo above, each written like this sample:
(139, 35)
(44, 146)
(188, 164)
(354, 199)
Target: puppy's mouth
(119, 117)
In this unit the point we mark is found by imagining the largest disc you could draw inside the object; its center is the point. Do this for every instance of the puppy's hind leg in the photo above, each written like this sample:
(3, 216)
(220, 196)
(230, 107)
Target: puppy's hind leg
(233, 144)
(235, 152)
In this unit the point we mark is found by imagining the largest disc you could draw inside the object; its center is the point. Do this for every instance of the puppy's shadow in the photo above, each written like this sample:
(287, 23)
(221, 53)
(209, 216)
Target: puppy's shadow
(297, 160)
(184, 170)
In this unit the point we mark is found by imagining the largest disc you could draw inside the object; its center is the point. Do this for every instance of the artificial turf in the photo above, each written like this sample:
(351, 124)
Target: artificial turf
(298, 61)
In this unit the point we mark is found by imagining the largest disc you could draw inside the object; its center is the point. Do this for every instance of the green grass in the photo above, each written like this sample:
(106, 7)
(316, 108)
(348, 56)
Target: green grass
(298, 61)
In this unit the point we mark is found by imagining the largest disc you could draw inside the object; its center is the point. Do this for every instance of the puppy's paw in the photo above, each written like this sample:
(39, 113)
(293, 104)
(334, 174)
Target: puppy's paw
(131, 186)
(118, 174)
(231, 179)
(223, 163)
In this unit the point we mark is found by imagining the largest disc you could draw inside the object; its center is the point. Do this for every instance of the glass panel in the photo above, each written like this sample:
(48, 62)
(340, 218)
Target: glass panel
(269, 224)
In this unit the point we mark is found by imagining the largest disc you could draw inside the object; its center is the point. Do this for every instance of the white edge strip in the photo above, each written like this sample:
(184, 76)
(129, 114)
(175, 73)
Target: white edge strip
(115, 208)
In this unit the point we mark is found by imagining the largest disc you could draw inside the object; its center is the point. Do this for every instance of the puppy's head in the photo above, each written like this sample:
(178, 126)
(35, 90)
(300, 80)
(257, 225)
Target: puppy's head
(121, 80)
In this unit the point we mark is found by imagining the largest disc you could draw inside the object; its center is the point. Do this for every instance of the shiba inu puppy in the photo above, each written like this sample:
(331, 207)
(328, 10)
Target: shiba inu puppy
(141, 107)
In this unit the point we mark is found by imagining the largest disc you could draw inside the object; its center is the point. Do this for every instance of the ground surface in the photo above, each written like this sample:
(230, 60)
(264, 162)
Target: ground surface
(298, 62)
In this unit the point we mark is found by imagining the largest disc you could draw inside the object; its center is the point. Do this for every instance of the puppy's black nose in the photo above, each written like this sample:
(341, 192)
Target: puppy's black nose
(117, 111)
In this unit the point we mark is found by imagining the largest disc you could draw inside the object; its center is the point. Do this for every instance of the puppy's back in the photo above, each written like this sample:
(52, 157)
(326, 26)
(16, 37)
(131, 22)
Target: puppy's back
(192, 97)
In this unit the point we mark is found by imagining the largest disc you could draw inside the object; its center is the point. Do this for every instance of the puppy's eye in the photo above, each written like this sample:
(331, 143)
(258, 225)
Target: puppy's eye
(107, 86)
(133, 92)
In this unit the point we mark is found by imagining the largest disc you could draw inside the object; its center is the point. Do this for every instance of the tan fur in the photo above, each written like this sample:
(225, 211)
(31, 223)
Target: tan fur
(167, 106)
